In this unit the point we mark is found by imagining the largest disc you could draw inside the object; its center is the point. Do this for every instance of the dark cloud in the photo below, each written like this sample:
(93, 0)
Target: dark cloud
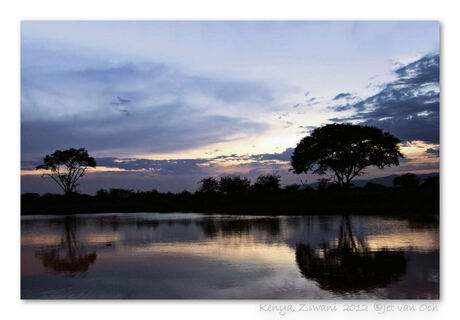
(161, 80)
(181, 166)
(433, 151)
(342, 95)
(340, 108)
(420, 72)
(191, 166)
(407, 107)
(283, 156)
(120, 102)
(170, 128)
(160, 167)
(308, 103)
(307, 129)
(411, 166)
(29, 164)
(128, 108)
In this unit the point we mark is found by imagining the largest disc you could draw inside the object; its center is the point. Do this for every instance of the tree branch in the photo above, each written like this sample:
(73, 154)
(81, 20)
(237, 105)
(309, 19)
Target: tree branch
(56, 180)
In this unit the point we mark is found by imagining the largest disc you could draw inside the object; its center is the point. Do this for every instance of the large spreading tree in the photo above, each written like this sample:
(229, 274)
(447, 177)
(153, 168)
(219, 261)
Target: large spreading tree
(67, 167)
(344, 151)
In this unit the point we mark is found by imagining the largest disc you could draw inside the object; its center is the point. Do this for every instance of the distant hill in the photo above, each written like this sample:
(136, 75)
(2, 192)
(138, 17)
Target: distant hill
(387, 181)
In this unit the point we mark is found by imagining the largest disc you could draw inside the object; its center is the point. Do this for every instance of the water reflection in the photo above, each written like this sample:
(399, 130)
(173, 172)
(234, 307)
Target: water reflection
(228, 228)
(70, 256)
(349, 266)
(219, 256)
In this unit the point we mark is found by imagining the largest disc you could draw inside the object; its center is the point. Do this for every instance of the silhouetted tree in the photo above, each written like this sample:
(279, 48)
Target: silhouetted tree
(407, 180)
(345, 150)
(67, 167)
(234, 185)
(209, 185)
(267, 183)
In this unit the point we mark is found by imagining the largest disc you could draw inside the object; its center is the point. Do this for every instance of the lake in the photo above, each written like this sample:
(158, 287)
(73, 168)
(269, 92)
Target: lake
(195, 256)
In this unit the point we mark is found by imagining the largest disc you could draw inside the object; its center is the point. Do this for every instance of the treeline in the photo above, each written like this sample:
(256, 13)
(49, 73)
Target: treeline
(236, 195)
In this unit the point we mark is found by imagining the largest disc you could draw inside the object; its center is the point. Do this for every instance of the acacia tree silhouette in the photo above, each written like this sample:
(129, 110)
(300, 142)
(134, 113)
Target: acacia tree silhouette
(67, 167)
(345, 150)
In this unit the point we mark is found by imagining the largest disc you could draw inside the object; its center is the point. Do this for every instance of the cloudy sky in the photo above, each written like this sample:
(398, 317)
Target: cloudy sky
(163, 104)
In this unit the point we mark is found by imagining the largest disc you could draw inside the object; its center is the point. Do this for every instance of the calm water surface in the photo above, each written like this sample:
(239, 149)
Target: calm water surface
(152, 255)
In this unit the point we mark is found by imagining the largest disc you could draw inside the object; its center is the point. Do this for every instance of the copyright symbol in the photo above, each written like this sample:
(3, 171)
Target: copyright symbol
(378, 307)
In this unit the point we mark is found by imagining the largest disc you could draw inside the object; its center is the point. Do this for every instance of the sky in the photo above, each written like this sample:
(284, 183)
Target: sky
(162, 104)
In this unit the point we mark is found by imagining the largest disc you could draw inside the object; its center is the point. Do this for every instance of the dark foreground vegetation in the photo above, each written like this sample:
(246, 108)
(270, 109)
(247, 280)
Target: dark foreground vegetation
(409, 197)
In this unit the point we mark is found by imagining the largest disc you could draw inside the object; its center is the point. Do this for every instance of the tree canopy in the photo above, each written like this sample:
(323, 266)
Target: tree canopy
(267, 183)
(209, 185)
(234, 185)
(67, 167)
(345, 150)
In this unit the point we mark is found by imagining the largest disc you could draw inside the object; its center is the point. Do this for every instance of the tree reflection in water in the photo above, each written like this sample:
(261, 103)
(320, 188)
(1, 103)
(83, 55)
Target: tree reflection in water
(349, 266)
(69, 256)
(235, 227)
